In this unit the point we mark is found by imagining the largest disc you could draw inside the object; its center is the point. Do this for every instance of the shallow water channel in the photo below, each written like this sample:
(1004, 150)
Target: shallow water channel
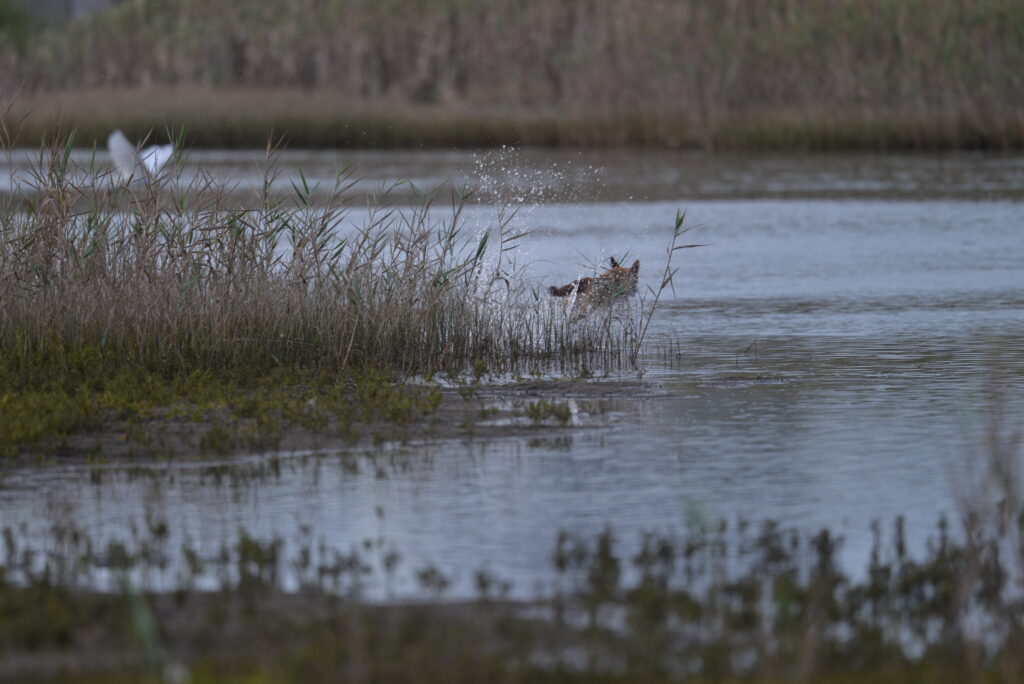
(834, 348)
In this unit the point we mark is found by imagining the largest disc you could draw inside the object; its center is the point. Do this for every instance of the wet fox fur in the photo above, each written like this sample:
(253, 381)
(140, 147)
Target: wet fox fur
(614, 284)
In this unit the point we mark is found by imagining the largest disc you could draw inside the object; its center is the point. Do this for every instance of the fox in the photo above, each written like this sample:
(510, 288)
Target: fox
(615, 284)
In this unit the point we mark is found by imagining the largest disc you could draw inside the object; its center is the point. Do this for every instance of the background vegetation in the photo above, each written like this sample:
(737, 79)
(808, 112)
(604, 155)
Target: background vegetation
(717, 73)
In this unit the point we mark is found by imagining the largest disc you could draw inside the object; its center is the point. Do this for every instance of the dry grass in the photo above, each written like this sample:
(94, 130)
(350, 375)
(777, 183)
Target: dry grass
(171, 276)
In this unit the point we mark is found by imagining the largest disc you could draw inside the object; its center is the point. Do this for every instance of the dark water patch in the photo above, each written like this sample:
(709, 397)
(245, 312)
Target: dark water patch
(745, 381)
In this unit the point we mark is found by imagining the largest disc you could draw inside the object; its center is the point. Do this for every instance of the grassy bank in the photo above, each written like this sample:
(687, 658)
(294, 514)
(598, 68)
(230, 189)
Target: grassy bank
(881, 74)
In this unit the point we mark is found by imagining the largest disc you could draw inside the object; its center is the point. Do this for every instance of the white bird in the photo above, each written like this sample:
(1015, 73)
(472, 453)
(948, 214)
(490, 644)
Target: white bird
(131, 163)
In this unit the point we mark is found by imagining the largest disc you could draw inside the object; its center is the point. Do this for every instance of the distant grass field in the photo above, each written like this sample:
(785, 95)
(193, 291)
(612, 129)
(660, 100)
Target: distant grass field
(247, 118)
(843, 74)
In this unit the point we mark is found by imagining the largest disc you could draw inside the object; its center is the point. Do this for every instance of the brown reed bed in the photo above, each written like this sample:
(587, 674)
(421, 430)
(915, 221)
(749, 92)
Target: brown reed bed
(176, 276)
(878, 74)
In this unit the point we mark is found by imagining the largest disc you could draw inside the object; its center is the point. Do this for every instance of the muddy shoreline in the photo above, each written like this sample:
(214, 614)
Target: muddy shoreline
(468, 412)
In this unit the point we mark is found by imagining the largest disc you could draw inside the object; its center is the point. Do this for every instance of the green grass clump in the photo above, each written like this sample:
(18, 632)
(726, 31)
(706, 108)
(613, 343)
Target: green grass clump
(230, 410)
(27, 417)
(542, 409)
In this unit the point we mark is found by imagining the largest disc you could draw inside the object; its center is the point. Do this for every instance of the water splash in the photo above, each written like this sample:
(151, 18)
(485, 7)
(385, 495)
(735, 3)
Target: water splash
(517, 185)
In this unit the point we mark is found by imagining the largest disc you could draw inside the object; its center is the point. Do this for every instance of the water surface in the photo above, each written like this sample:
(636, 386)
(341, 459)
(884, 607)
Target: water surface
(833, 351)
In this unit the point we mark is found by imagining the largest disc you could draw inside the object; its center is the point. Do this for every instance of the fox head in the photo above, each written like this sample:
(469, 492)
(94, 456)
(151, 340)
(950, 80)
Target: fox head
(621, 281)
(635, 268)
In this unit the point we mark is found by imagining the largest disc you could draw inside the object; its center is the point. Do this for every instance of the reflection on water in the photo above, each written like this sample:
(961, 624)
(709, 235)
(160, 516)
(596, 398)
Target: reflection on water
(829, 365)
(811, 433)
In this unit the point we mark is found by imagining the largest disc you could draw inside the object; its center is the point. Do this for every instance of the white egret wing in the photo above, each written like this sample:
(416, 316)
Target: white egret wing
(123, 154)
(155, 156)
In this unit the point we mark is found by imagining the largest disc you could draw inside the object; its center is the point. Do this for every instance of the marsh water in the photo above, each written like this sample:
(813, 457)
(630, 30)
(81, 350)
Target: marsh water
(834, 353)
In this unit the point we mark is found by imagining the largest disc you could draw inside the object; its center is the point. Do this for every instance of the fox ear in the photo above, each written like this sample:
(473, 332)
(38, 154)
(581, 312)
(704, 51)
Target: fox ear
(615, 264)
(635, 268)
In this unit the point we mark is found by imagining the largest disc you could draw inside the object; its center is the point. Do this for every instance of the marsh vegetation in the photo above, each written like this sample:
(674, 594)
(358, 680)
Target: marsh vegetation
(882, 74)
(278, 424)
(166, 297)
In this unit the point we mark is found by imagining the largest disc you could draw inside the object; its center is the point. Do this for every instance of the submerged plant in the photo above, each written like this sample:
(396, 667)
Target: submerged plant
(725, 603)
